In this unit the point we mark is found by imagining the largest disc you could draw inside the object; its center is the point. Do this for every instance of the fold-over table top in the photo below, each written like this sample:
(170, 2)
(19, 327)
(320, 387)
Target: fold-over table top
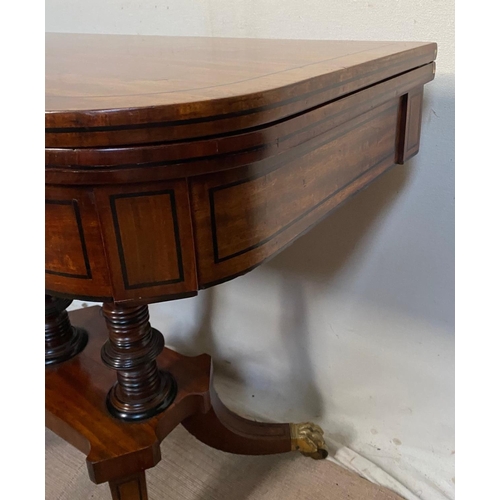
(105, 83)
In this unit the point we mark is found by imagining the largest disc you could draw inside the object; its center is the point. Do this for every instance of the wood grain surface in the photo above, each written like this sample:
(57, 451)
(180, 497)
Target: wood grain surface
(220, 152)
(173, 164)
(118, 89)
(130, 488)
(244, 216)
(75, 404)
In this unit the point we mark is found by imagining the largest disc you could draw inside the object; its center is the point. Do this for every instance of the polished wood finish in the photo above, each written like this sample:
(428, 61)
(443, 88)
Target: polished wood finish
(174, 164)
(167, 160)
(75, 260)
(76, 411)
(62, 340)
(108, 89)
(224, 430)
(141, 390)
(414, 100)
(244, 216)
(130, 488)
(142, 209)
(148, 236)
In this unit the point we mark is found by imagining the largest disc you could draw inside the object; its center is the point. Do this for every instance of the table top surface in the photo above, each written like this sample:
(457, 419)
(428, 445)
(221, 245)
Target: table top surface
(184, 75)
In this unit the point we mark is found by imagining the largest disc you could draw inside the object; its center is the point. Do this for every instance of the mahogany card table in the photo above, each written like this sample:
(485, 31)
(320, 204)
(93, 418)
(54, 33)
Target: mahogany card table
(174, 164)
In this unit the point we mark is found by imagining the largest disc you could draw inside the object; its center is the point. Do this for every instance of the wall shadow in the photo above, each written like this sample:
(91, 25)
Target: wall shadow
(318, 255)
(294, 333)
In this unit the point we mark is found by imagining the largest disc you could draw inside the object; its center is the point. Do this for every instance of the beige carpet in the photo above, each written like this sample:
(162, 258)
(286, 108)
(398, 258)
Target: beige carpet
(190, 470)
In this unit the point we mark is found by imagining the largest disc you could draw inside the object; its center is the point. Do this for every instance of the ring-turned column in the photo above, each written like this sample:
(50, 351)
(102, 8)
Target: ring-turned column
(62, 340)
(141, 390)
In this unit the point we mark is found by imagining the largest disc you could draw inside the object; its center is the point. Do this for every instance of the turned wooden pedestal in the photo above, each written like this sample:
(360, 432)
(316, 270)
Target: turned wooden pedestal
(119, 451)
(62, 340)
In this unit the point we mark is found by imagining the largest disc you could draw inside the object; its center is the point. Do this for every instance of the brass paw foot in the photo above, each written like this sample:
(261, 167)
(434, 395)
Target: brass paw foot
(308, 439)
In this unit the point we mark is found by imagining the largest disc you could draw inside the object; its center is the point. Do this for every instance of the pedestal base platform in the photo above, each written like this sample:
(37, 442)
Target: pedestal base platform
(119, 451)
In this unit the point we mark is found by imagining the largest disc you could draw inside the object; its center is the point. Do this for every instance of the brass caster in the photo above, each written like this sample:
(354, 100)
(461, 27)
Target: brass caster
(308, 439)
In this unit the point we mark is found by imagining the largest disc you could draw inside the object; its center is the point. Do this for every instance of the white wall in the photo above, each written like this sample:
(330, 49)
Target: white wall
(352, 325)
